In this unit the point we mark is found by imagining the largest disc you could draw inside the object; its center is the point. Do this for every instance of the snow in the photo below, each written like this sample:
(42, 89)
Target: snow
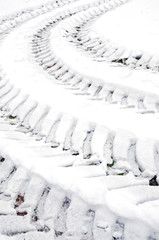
(100, 185)
(9, 7)
(133, 26)
(6, 208)
(13, 224)
(33, 193)
(78, 106)
(16, 182)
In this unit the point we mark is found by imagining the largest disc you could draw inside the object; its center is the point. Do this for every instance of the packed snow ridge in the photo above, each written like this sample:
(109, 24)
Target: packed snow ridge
(79, 103)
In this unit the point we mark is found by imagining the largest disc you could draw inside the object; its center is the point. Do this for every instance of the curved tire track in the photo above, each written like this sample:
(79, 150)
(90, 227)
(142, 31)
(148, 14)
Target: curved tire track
(46, 211)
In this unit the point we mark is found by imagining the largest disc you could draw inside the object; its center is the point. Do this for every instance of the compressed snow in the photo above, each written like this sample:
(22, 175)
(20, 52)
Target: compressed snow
(52, 112)
(78, 106)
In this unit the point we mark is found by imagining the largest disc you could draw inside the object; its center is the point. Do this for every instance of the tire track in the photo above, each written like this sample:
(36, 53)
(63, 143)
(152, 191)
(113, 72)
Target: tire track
(93, 155)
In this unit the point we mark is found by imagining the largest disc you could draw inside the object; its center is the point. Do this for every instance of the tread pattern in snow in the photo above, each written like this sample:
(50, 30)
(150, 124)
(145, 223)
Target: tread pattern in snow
(122, 175)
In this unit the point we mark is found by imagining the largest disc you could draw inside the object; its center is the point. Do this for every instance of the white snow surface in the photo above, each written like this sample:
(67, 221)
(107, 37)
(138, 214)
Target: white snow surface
(26, 76)
(8, 7)
(133, 26)
(128, 197)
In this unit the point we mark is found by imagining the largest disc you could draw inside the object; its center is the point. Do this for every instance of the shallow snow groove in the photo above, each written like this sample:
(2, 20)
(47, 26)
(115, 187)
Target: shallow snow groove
(136, 93)
(86, 36)
(105, 173)
(39, 116)
(106, 50)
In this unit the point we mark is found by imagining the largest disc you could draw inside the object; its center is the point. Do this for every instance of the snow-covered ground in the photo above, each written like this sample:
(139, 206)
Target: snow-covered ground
(8, 7)
(79, 134)
(133, 27)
